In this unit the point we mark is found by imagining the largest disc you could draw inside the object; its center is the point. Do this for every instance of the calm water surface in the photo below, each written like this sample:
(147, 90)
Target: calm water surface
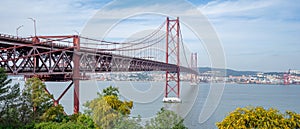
(240, 95)
(147, 97)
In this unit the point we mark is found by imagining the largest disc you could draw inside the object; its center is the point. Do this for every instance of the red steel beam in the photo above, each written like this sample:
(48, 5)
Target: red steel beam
(56, 37)
(76, 73)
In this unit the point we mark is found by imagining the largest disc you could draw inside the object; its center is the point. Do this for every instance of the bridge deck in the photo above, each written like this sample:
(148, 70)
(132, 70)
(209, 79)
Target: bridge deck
(54, 61)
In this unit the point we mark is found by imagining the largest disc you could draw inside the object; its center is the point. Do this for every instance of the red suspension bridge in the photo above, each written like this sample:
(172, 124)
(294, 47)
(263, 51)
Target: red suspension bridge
(70, 57)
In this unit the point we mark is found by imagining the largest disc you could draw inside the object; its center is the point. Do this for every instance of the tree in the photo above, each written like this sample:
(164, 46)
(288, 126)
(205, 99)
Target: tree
(35, 96)
(293, 119)
(166, 119)
(102, 113)
(258, 117)
(25, 110)
(55, 125)
(9, 101)
(108, 108)
(125, 122)
(111, 91)
(76, 121)
(86, 121)
(54, 114)
(118, 105)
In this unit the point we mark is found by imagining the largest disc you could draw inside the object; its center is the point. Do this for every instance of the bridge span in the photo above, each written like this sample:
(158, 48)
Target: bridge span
(64, 58)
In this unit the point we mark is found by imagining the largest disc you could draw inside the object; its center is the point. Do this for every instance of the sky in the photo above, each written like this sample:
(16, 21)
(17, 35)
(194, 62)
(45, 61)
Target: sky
(260, 35)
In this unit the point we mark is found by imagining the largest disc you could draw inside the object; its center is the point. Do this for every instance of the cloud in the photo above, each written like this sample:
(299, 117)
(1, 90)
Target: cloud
(257, 9)
(260, 29)
(232, 7)
(52, 16)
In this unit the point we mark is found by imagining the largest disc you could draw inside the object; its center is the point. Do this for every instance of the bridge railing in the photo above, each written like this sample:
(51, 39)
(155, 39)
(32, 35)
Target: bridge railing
(9, 37)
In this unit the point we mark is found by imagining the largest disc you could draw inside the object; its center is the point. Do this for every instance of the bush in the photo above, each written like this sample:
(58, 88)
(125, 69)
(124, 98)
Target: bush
(55, 125)
(258, 117)
(166, 119)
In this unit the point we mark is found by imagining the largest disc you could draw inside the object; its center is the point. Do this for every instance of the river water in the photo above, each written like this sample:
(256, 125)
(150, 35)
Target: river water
(147, 97)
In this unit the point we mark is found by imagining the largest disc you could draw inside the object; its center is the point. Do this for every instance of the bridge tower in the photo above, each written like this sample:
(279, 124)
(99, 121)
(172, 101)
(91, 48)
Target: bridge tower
(194, 80)
(172, 87)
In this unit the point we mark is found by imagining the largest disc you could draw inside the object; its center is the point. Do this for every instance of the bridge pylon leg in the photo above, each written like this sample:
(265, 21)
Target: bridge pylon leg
(76, 73)
(194, 78)
(56, 101)
(172, 87)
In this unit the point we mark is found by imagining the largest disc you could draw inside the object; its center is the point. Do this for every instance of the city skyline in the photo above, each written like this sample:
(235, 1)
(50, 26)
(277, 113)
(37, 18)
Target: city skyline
(255, 35)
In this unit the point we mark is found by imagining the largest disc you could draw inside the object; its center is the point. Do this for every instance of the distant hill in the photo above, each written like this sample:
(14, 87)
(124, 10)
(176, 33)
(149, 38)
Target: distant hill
(228, 71)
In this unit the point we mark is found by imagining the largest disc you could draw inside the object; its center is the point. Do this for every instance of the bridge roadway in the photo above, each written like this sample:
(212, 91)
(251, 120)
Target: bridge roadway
(54, 61)
(62, 58)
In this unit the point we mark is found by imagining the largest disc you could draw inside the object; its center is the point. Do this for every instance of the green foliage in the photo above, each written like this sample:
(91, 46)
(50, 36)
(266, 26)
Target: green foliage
(166, 119)
(75, 121)
(114, 91)
(35, 96)
(293, 119)
(25, 110)
(108, 111)
(258, 117)
(125, 122)
(55, 125)
(108, 108)
(73, 117)
(35, 88)
(118, 105)
(9, 101)
(179, 125)
(102, 113)
(86, 121)
(111, 97)
(54, 113)
(46, 125)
